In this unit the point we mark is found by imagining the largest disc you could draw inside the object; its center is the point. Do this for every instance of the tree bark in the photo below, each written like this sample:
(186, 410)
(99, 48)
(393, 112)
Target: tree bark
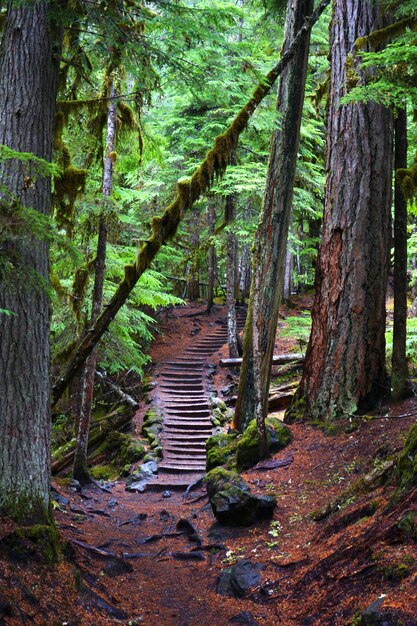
(399, 373)
(288, 271)
(345, 361)
(188, 192)
(80, 468)
(29, 56)
(272, 234)
(193, 284)
(231, 258)
(211, 256)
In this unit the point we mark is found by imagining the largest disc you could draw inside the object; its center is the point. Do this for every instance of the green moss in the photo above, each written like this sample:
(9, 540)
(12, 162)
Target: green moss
(248, 453)
(396, 572)
(407, 464)
(408, 525)
(40, 543)
(221, 450)
(104, 472)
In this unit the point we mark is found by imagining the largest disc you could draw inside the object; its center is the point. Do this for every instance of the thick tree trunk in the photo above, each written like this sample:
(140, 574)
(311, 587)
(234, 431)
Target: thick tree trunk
(399, 363)
(28, 82)
(345, 361)
(211, 256)
(188, 192)
(272, 234)
(80, 468)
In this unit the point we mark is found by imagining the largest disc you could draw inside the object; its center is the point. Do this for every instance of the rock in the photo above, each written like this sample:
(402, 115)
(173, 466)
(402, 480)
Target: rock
(117, 567)
(245, 617)
(149, 468)
(74, 485)
(112, 503)
(57, 497)
(184, 525)
(189, 556)
(166, 494)
(239, 580)
(247, 453)
(375, 615)
(408, 525)
(221, 450)
(164, 515)
(228, 390)
(218, 404)
(137, 486)
(232, 502)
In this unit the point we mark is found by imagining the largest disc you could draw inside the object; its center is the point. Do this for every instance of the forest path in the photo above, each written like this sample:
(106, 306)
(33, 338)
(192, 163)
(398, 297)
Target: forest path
(182, 395)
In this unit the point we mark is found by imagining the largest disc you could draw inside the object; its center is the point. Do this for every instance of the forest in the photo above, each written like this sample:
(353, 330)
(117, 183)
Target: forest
(208, 312)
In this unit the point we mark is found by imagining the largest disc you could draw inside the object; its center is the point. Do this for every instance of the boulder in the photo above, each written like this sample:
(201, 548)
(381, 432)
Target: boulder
(407, 464)
(232, 502)
(221, 450)
(247, 452)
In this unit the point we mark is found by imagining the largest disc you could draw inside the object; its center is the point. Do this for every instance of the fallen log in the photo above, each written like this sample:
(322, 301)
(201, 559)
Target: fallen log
(98, 433)
(278, 359)
(124, 397)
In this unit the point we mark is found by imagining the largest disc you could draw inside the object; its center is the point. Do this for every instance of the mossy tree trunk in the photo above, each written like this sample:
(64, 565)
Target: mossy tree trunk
(188, 191)
(80, 467)
(288, 272)
(30, 50)
(345, 362)
(211, 256)
(272, 234)
(193, 283)
(399, 362)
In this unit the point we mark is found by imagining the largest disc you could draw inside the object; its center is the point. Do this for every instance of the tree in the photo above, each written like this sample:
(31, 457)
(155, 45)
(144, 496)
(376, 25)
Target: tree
(399, 372)
(29, 60)
(345, 362)
(272, 234)
(188, 191)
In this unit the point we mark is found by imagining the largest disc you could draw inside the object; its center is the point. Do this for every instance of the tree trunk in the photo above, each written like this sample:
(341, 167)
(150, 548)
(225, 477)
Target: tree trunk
(287, 286)
(345, 361)
(399, 363)
(193, 285)
(211, 257)
(272, 234)
(80, 468)
(188, 191)
(231, 258)
(28, 82)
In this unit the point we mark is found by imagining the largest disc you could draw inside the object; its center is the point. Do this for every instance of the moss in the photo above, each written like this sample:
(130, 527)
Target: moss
(248, 454)
(126, 117)
(104, 472)
(219, 479)
(221, 450)
(396, 572)
(39, 543)
(377, 38)
(408, 525)
(407, 179)
(67, 187)
(407, 464)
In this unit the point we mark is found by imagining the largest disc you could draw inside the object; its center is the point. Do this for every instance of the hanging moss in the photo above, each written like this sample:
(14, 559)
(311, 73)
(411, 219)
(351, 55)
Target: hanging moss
(79, 289)
(384, 35)
(407, 179)
(68, 186)
(126, 117)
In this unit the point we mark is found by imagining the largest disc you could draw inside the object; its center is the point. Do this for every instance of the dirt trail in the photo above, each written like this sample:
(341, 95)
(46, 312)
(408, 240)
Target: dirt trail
(155, 572)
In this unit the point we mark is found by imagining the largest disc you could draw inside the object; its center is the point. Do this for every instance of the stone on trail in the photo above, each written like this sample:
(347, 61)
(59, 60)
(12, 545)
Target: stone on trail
(244, 617)
(232, 502)
(239, 580)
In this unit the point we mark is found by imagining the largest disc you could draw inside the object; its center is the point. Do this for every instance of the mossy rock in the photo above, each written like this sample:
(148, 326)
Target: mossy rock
(248, 454)
(152, 417)
(407, 464)
(218, 418)
(408, 525)
(103, 472)
(221, 450)
(232, 502)
(40, 543)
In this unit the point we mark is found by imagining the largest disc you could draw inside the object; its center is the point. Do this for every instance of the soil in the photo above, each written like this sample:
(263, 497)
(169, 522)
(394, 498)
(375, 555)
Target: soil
(125, 561)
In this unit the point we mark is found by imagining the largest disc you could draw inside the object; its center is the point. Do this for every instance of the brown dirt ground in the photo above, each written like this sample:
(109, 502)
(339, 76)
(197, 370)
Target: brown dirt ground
(319, 573)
